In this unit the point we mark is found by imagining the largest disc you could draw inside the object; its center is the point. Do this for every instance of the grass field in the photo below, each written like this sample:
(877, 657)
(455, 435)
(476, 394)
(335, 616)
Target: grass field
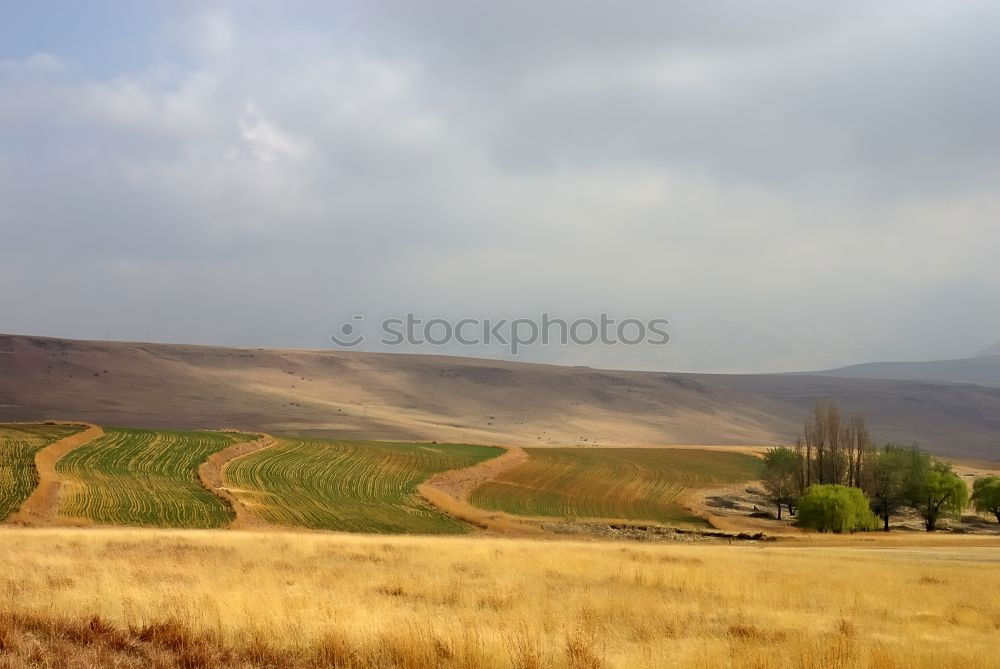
(18, 445)
(612, 483)
(144, 477)
(173, 598)
(348, 485)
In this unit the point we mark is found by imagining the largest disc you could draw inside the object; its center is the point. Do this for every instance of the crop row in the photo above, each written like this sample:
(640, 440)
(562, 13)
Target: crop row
(353, 486)
(144, 477)
(18, 445)
(611, 483)
(150, 478)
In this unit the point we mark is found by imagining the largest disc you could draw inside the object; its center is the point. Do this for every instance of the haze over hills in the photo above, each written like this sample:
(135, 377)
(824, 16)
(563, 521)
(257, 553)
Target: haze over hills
(397, 396)
(990, 350)
(983, 370)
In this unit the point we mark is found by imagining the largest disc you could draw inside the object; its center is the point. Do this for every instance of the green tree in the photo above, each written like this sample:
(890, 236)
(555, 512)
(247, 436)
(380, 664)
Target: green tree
(986, 495)
(836, 508)
(781, 477)
(938, 491)
(885, 480)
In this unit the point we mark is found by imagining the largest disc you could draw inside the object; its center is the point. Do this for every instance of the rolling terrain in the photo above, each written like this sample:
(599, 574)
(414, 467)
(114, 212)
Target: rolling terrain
(216, 479)
(620, 484)
(464, 400)
(348, 485)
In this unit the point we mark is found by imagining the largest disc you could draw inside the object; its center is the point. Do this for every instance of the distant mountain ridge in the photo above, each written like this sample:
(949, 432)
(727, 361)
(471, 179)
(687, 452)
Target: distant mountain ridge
(983, 370)
(992, 350)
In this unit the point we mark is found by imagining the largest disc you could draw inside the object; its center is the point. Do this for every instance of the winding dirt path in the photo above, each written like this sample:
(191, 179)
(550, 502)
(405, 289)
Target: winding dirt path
(211, 473)
(42, 504)
(449, 491)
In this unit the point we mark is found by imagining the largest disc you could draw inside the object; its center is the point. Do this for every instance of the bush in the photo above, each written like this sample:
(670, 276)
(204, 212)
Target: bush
(836, 508)
(986, 495)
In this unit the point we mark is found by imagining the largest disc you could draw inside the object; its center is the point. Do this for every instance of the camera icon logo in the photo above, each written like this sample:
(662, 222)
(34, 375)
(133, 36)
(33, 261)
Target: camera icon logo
(348, 337)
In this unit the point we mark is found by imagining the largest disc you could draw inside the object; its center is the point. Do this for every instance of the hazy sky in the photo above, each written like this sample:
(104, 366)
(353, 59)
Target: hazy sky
(794, 185)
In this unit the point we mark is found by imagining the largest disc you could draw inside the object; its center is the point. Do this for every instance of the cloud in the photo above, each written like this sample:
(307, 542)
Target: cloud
(267, 142)
(793, 186)
(37, 64)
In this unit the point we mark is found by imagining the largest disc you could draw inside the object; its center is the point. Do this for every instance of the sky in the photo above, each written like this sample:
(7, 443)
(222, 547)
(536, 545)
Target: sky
(794, 185)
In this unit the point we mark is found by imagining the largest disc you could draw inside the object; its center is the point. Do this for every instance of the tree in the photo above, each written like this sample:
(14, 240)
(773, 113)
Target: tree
(836, 508)
(858, 448)
(835, 447)
(886, 481)
(938, 491)
(781, 477)
(820, 431)
(802, 480)
(986, 495)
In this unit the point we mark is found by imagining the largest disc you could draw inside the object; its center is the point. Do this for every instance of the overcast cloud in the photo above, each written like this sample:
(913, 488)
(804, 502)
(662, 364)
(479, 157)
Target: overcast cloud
(794, 185)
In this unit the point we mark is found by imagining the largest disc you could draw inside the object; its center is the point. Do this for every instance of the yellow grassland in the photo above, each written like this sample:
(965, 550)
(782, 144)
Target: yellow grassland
(145, 597)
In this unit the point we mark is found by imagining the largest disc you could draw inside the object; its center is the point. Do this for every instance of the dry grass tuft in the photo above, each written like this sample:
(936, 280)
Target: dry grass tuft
(582, 651)
(746, 632)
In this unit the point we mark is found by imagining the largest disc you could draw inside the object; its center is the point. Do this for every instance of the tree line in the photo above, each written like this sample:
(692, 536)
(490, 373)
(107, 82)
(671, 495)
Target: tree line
(835, 479)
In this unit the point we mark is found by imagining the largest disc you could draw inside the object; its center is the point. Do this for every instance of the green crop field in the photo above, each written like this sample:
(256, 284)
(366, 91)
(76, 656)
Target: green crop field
(144, 477)
(613, 483)
(18, 445)
(352, 486)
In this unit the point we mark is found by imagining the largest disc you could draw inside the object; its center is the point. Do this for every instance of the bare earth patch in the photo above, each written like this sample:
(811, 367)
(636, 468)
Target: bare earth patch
(210, 473)
(450, 490)
(739, 507)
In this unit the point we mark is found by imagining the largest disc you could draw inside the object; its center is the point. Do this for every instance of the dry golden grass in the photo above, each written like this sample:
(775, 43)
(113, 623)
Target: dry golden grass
(172, 598)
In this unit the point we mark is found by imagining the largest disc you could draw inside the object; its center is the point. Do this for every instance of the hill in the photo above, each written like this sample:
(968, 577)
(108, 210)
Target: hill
(994, 349)
(983, 370)
(464, 400)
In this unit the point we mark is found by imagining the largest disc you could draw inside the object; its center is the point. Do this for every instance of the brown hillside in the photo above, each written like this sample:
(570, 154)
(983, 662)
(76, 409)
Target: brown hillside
(395, 396)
